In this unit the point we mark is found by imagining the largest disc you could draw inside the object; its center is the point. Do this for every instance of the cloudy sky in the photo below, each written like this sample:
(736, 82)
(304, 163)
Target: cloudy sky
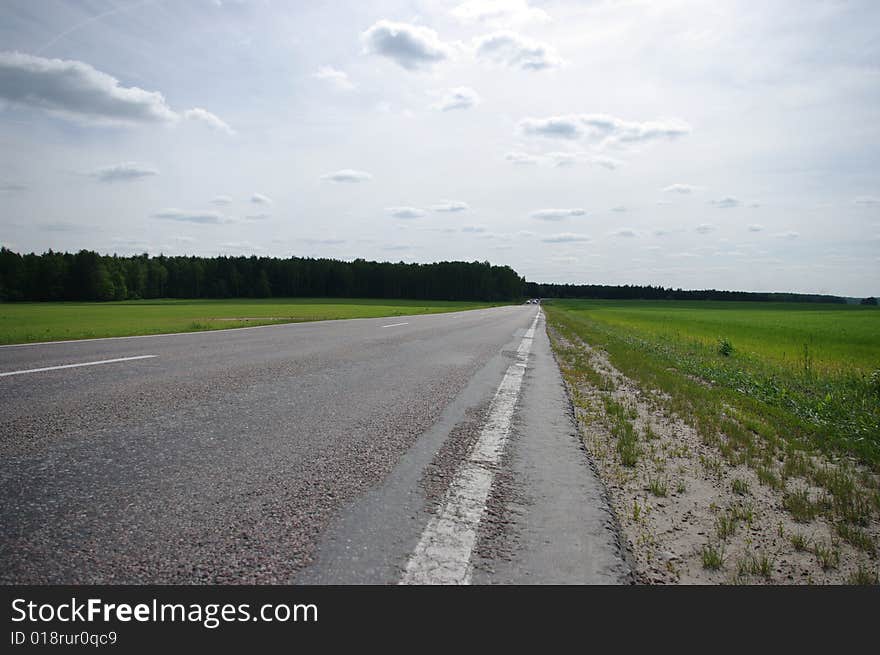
(694, 144)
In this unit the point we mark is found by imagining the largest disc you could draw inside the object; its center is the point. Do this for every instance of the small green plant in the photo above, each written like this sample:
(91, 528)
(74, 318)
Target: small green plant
(808, 362)
(740, 487)
(743, 511)
(725, 526)
(863, 576)
(681, 487)
(827, 556)
(799, 505)
(725, 347)
(658, 486)
(800, 542)
(759, 563)
(766, 475)
(855, 536)
(629, 453)
(713, 556)
(713, 465)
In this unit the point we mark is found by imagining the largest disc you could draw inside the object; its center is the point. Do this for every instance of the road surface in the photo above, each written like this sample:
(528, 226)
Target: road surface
(417, 449)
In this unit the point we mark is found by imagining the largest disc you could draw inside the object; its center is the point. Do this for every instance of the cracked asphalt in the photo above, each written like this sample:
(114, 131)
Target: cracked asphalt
(286, 454)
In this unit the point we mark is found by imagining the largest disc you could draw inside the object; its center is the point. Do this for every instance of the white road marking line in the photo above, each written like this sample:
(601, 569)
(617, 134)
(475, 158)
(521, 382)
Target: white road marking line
(55, 368)
(444, 551)
(394, 325)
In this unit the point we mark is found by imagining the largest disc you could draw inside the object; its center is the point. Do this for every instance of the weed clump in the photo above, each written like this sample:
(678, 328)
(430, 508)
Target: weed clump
(713, 556)
(725, 347)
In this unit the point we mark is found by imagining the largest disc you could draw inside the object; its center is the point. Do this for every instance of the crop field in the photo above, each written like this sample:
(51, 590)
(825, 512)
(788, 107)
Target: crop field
(30, 322)
(784, 398)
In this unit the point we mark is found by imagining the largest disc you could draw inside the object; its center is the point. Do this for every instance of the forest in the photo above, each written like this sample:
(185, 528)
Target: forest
(90, 276)
(636, 292)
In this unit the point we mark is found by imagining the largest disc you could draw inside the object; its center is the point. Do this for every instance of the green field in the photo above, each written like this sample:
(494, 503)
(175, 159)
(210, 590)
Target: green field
(829, 338)
(30, 322)
(805, 373)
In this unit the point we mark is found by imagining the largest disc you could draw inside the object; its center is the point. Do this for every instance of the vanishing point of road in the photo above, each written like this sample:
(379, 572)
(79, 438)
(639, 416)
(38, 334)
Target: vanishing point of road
(416, 449)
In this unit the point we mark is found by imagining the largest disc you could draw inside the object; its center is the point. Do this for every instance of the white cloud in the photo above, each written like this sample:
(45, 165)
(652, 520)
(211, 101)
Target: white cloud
(260, 199)
(221, 200)
(522, 158)
(517, 51)
(326, 242)
(867, 201)
(705, 228)
(728, 202)
(412, 47)
(566, 237)
(608, 129)
(556, 214)
(787, 235)
(607, 162)
(335, 77)
(258, 217)
(209, 119)
(347, 175)
(451, 206)
(459, 98)
(501, 13)
(562, 159)
(755, 227)
(124, 172)
(619, 209)
(680, 188)
(474, 229)
(406, 212)
(76, 90)
(191, 216)
(625, 232)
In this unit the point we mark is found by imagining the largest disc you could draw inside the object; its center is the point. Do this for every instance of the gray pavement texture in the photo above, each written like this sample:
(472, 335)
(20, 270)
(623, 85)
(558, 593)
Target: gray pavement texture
(287, 454)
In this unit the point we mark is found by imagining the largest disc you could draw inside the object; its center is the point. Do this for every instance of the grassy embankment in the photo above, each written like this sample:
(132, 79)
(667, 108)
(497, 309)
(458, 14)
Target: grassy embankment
(30, 322)
(791, 391)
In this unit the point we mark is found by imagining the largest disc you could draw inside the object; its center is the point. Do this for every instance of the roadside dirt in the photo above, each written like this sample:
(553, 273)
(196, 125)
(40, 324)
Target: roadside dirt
(683, 504)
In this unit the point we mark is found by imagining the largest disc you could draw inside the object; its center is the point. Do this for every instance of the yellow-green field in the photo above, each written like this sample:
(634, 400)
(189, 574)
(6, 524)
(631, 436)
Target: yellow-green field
(805, 371)
(30, 322)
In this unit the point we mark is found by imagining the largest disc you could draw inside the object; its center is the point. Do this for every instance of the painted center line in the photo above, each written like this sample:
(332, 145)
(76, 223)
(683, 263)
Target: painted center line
(443, 554)
(55, 368)
(394, 325)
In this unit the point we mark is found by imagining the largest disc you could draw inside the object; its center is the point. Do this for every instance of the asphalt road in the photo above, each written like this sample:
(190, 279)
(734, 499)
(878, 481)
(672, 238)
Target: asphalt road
(301, 453)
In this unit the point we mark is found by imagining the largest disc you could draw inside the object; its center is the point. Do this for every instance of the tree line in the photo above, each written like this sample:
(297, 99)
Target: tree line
(636, 292)
(89, 276)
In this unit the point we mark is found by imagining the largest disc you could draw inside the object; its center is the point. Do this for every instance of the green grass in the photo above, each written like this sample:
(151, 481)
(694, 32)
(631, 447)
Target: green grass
(838, 337)
(758, 563)
(798, 374)
(30, 322)
(713, 556)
